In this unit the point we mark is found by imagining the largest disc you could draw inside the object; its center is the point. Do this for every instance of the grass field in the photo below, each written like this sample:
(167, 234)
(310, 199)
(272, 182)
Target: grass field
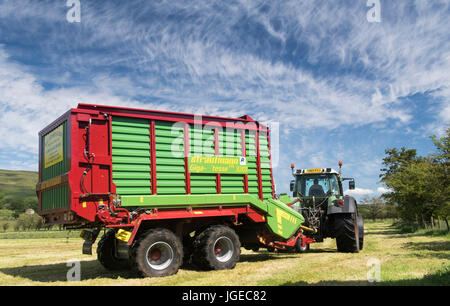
(405, 259)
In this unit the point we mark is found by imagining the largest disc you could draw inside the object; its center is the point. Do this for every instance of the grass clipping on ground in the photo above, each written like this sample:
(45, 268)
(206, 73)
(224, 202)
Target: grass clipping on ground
(404, 259)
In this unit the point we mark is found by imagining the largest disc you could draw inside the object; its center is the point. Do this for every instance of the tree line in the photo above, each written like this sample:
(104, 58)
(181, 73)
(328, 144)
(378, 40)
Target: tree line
(13, 216)
(376, 208)
(419, 187)
(11, 206)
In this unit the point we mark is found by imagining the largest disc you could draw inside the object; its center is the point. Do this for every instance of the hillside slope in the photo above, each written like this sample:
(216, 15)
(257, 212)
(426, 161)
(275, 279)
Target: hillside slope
(18, 184)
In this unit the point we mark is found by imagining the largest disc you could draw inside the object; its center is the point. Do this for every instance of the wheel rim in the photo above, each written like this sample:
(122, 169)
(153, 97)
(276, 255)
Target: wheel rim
(303, 248)
(223, 249)
(159, 255)
(300, 246)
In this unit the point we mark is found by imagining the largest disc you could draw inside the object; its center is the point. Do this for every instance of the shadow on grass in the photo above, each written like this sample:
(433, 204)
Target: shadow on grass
(394, 231)
(389, 232)
(93, 269)
(407, 231)
(417, 234)
(253, 257)
(440, 278)
(58, 272)
(436, 246)
(257, 257)
(430, 249)
(324, 250)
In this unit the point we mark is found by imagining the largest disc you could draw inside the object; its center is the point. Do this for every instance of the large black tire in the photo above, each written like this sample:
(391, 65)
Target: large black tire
(106, 253)
(346, 232)
(361, 231)
(216, 248)
(158, 252)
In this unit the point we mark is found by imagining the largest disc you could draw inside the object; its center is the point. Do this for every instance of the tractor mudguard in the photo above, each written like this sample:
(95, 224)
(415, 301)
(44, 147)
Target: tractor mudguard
(349, 206)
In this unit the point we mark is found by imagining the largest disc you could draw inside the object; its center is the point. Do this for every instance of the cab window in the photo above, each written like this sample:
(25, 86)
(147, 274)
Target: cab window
(318, 185)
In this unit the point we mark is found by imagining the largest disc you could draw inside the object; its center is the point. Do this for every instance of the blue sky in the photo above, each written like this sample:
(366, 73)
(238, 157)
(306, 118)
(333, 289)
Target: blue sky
(340, 87)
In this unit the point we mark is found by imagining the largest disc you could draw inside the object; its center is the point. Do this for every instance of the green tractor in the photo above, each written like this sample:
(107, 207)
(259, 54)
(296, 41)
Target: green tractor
(319, 197)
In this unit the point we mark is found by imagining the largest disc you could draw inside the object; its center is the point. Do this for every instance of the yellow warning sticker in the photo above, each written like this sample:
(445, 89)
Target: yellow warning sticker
(53, 147)
(123, 235)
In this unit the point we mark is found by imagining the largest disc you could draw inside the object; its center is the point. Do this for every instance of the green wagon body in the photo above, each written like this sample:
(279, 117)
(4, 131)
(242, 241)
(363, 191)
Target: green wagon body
(131, 158)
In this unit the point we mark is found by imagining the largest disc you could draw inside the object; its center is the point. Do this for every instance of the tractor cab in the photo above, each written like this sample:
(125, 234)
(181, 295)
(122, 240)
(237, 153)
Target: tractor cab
(317, 183)
(317, 187)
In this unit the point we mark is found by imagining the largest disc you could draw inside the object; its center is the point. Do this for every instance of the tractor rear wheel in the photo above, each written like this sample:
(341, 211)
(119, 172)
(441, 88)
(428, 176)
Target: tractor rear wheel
(346, 231)
(216, 248)
(106, 252)
(159, 252)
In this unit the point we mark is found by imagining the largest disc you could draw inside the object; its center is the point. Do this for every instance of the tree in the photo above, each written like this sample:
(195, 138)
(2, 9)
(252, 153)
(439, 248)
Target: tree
(31, 202)
(374, 206)
(443, 147)
(2, 199)
(395, 164)
(18, 206)
(441, 160)
(391, 210)
(420, 185)
(27, 222)
(5, 226)
(6, 214)
(395, 160)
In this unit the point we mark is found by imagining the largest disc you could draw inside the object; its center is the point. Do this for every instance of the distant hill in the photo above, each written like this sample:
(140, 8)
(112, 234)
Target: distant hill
(18, 184)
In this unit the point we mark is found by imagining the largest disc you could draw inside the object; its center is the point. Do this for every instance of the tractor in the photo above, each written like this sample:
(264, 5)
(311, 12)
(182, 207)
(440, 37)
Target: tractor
(319, 197)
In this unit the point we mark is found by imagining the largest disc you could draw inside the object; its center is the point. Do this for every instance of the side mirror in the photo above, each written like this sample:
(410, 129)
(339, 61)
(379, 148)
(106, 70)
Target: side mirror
(351, 185)
(291, 185)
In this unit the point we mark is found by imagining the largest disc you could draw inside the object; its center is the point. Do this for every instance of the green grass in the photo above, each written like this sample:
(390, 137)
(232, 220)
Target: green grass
(41, 234)
(406, 259)
(18, 184)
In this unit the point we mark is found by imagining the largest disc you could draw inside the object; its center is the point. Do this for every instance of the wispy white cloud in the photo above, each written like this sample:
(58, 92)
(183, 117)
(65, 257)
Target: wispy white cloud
(360, 192)
(311, 65)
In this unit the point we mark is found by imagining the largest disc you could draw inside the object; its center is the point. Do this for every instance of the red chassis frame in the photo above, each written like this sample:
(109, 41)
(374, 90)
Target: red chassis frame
(188, 214)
